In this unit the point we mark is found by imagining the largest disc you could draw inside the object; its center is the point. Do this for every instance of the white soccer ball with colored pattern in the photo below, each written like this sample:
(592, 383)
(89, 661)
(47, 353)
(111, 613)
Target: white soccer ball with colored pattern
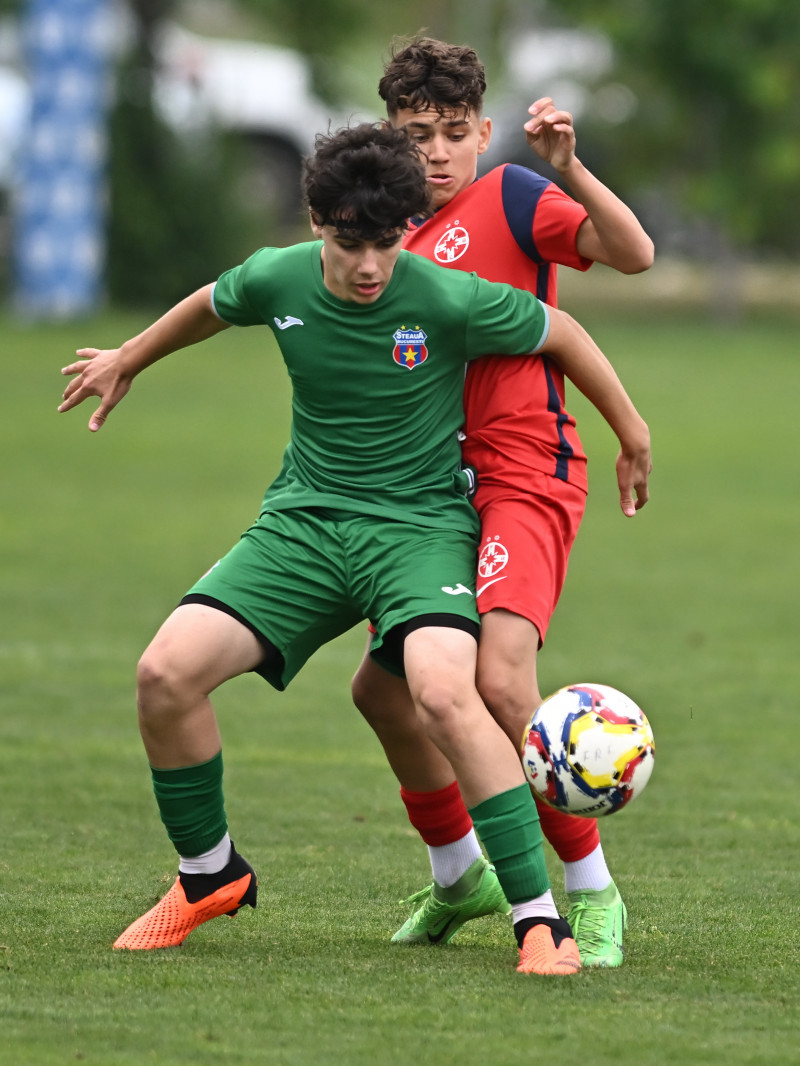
(589, 750)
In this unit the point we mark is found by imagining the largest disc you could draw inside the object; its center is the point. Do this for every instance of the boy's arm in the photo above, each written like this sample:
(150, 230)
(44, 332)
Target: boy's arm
(573, 350)
(109, 373)
(612, 233)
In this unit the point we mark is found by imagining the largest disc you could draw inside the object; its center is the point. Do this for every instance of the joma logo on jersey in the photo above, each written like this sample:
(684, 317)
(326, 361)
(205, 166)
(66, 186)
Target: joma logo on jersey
(409, 348)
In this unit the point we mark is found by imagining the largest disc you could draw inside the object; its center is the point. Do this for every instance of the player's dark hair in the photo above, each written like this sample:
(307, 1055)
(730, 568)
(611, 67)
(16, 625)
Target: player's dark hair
(425, 73)
(366, 179)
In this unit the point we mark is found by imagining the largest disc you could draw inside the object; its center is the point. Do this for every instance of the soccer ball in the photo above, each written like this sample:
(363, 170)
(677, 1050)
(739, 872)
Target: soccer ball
(588, 750)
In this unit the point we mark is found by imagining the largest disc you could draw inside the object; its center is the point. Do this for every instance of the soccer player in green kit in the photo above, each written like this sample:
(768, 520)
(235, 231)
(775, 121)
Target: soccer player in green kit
(374, 340)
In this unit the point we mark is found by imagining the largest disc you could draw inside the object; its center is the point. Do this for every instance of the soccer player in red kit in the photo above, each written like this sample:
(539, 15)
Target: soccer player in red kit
(515, 226)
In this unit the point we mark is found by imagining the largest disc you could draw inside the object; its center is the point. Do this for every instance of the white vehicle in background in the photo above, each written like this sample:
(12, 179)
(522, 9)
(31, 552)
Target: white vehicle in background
(260, 91)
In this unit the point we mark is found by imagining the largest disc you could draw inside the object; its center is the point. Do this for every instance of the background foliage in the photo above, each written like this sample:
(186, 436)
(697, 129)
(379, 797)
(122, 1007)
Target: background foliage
(709, 156)
(716, 133)
(718, 126)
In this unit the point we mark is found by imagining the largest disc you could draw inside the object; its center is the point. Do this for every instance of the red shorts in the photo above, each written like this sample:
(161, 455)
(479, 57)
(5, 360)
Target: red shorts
(525, 544)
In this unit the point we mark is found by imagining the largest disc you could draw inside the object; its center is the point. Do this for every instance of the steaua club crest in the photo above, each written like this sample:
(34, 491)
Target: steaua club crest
(409, 348)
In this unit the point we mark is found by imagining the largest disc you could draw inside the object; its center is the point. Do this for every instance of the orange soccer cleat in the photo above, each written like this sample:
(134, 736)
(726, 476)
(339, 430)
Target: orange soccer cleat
(172, 919)
(548, 948)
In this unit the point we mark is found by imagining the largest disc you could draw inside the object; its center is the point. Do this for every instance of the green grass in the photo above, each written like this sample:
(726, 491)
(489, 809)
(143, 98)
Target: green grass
(691, 607)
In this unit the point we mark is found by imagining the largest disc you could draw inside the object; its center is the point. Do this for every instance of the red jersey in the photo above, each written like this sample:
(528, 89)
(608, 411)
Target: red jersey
(515, 226)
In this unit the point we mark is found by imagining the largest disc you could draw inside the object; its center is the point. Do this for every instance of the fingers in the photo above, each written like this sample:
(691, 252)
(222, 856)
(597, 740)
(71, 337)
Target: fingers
(541, 106)
(628, 504)
(74, 394)
(544, 112)
(68, 396)
(631, 502)
(75, 391)
(78, 389)
(633, 481)
(85, 355)
(97, 421)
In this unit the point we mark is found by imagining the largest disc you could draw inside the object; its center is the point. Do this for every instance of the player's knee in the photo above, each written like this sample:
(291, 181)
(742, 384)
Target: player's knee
(365, 696)
(498, 689)
(160, 685)
(510, 699)
(382, 698)
(438, 702)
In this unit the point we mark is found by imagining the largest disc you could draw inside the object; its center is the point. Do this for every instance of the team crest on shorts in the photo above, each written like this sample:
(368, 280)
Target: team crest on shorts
(452, 244)
(409, 348)
(493, 557)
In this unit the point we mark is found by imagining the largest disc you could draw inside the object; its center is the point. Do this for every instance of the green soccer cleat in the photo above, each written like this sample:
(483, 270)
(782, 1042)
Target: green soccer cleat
(445, 910)
(598, 920)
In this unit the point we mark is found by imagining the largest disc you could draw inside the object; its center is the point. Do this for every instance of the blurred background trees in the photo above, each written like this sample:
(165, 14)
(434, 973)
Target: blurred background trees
(717, 125)
(691, 112)
(174, 215)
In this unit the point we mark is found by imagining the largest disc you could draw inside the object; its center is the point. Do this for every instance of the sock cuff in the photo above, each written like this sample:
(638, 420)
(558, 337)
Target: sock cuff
(518, 799)
(180, 774)
(571, 837)
(439, 817)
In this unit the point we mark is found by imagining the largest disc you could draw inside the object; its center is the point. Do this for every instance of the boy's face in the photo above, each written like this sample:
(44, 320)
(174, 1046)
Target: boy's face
(450, 145)
(356, 269)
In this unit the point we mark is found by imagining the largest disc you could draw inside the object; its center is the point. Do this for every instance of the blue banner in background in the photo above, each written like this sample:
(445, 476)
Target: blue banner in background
(60, 201)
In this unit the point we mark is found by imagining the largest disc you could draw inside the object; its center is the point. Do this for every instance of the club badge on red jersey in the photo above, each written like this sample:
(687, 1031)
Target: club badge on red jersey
(452, 244)
(409, 348)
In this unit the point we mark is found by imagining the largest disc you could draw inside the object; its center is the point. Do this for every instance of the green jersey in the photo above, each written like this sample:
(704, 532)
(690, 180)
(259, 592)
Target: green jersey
(377, 388)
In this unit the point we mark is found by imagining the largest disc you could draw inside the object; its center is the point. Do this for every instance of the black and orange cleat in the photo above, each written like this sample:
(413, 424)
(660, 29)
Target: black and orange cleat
(192, 900)
(547, 947)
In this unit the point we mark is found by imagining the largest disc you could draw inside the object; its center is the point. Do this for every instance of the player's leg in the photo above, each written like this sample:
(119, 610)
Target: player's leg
(385, 702)
(254, 610)
(535, 534)
(440, 666)
(433, 802)
(427, 627)
(196, 649)
(507, 682)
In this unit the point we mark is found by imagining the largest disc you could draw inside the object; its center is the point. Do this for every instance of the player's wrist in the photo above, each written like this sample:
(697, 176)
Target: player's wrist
(131, 359)
(636, 445)
(634, 437)
(571, 168)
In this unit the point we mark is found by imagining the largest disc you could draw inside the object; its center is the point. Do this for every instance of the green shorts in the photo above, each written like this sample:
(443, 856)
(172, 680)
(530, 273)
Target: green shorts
(298, 578)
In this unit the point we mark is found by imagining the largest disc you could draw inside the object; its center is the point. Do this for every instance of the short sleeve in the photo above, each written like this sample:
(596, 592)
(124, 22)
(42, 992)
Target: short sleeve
(555, 228)
(542, 218)
(504, 321)
(234, 292)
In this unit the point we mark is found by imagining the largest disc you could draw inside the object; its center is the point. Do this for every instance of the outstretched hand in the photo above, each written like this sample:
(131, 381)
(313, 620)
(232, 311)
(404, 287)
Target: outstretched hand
(550, 133)
(633, 471)
(98, 374)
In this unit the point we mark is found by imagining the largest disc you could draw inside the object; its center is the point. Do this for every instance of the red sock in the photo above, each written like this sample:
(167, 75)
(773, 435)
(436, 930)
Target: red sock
(572, 838)
(439, 817)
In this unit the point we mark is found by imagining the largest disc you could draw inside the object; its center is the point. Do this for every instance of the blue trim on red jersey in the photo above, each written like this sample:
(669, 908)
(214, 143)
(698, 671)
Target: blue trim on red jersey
(565, 449)
(521, 191)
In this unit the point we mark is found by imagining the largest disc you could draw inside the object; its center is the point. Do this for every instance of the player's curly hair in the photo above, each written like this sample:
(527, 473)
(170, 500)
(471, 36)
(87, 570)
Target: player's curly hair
(367, 179)
(426, 73)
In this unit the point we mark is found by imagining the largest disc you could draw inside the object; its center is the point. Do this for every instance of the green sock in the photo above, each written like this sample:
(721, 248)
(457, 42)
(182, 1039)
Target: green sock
(191, 805)
(508, 826)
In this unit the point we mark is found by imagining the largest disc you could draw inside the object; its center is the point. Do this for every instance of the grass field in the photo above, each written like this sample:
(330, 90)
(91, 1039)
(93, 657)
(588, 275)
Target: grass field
(691, 607)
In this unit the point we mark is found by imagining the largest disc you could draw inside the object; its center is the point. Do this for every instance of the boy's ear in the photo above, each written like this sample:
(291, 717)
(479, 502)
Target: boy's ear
(316, 223)
(484, 135)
